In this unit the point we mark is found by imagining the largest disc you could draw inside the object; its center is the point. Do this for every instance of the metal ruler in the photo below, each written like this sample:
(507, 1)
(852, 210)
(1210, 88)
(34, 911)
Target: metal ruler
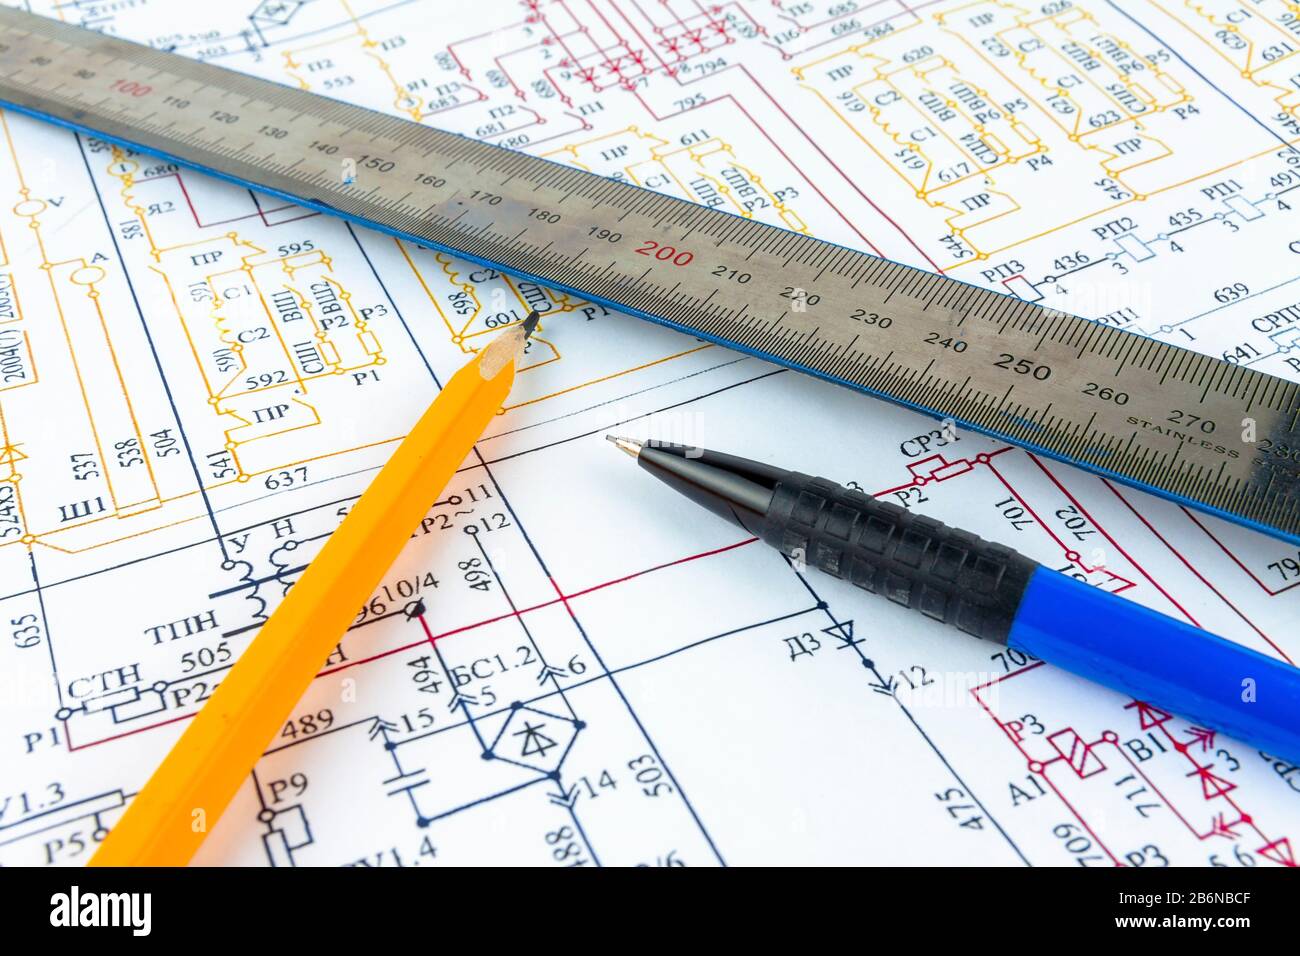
(1214, 435)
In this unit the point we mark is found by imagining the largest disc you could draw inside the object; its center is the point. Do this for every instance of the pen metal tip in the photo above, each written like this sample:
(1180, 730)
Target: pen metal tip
(530, 323)
(629, 445)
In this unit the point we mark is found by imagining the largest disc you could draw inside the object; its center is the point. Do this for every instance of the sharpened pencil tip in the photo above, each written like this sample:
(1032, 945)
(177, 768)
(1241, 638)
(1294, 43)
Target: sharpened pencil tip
(530, 323)
(629, 445)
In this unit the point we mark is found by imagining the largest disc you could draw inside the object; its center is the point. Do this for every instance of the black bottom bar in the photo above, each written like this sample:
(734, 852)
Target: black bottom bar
(324, 909)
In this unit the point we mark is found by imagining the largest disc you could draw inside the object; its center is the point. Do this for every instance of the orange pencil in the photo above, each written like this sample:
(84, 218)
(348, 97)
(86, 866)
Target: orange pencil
(167, 820)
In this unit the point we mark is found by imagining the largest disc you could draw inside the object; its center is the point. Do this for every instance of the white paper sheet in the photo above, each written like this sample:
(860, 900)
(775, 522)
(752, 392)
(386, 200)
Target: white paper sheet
(569, 664)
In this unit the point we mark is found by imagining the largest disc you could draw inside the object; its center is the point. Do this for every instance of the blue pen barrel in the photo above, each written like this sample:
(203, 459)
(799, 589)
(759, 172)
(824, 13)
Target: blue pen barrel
(1179, 668)
(989, 591)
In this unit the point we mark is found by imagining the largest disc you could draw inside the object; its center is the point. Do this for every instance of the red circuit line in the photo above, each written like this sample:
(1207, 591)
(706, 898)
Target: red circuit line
(810, 140)
(1048, 780)
(920, 481)
(431, 638)
(1224, 548)
(434, 638)
(499, 60)
(547, 72)
(596, 49)
(1159, 793)
(759, 128)
(126, 733)
(1169, 804)
(428, 633)
(560, 37)
(1176, 745)
(451, 47)
(1219, 594)
(1001, 677)
(610, 55)
(1065, 548)
(260, 212)
(1182, 748)
(848, 179)
(1106, 534)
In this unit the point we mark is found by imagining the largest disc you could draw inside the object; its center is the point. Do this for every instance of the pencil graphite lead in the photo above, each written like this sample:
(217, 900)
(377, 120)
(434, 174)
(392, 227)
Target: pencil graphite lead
(530, 323)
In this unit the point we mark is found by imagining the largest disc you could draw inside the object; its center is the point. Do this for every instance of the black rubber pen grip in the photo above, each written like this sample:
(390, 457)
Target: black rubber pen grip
(947, 574)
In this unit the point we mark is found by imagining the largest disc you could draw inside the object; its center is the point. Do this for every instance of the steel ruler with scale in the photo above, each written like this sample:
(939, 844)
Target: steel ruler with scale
(1214, 435)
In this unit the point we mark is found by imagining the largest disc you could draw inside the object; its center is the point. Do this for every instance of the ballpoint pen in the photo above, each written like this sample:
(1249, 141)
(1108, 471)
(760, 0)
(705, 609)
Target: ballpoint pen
(165, 822)
(990, 591)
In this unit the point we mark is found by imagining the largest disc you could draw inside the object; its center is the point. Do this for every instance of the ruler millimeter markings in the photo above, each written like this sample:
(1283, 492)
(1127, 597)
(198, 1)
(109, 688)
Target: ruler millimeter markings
(1193, 428)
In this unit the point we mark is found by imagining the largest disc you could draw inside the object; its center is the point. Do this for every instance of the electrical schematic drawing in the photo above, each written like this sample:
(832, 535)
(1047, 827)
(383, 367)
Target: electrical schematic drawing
(196, 382)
